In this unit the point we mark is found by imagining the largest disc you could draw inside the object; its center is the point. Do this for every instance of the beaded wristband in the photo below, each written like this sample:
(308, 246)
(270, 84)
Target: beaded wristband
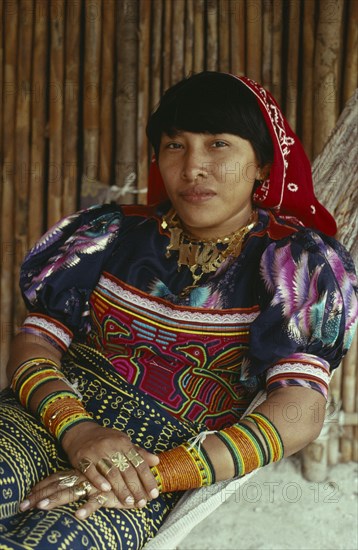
(58, 410)
(245, 448)
(270, 435)
(50, 398)
(26, 366)
(62, 413)
(249, 455)
(189, 467)
(185, 467)
(32, 382)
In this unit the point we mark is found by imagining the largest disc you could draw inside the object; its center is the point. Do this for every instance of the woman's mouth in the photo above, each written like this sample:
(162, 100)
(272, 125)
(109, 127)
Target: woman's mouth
(197, 195)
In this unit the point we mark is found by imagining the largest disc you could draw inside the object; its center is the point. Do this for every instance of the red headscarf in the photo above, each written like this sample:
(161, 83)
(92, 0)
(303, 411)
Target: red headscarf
(289, 188)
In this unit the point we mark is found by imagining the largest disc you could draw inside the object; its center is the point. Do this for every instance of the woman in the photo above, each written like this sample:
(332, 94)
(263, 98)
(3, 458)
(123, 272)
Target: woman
(151, 329)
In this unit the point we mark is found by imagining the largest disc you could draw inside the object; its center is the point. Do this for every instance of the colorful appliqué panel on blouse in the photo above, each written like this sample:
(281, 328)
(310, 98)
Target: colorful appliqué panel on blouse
(187, 359)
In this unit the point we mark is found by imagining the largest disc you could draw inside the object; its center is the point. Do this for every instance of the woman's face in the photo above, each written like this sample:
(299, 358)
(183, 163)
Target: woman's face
(209, 180)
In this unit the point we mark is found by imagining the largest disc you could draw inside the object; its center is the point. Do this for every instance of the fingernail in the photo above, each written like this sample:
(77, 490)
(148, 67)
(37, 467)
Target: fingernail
(105, 486)
(24, 505)
(81, 513)
(129, 500)
(141, 503)
(154, 493)
(43, 503)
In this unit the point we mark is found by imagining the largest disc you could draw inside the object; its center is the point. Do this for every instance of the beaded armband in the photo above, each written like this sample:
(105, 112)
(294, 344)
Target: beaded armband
(245, 446)
(60, 409)
(185, 467)
(189, 467)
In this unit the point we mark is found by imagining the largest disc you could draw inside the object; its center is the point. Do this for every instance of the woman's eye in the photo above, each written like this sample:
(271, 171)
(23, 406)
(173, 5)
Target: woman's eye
(173, 145)
(218, 143)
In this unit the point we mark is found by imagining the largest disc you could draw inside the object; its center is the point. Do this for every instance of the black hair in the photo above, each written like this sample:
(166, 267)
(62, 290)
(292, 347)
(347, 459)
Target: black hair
(214, 103)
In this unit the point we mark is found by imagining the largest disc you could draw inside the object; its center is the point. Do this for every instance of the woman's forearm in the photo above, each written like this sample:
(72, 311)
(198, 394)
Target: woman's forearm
(285, 423)
(25, 346)
(297, 413)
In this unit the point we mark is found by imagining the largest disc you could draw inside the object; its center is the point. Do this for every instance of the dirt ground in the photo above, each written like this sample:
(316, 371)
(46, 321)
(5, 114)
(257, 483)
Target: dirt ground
(279, 510)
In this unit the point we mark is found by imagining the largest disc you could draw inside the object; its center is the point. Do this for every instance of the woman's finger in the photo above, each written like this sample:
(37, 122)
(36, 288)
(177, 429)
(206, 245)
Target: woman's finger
(54, 495)
(138, 458)
(49, 485)
(98, 500)
(123, 479)
(87, 466)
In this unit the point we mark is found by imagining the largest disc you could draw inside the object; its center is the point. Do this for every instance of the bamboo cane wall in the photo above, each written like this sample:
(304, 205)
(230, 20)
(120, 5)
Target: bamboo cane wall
(79, 78)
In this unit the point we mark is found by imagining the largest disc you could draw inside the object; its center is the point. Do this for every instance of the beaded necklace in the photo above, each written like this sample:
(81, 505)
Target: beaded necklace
(204, 256)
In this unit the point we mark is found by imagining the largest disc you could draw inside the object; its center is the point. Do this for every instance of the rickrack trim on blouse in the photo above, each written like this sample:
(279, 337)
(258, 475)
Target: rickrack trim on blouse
(298, 368)
(173, 312)
(49, 328)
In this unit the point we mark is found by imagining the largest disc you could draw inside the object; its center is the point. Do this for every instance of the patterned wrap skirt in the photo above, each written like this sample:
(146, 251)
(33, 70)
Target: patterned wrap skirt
(28, 454)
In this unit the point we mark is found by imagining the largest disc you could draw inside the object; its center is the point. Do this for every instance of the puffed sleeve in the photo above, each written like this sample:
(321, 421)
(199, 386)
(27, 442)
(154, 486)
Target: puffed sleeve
(61, 270)
(309, 313)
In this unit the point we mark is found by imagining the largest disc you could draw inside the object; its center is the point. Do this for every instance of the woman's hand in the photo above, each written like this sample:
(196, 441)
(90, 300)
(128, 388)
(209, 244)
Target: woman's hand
(69, 486)
(110, 462)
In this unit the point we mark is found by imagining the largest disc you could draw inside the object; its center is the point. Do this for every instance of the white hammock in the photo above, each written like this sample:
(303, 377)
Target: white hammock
(335, 178)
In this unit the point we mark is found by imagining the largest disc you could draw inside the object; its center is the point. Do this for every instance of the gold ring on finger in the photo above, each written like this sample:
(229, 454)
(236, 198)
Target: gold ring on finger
(65, 474)
(101, 499)
(79, 491)
(134, 458)
(84, 464)
(86, 486)
(120, 461)
(104, 465)
(68, 481)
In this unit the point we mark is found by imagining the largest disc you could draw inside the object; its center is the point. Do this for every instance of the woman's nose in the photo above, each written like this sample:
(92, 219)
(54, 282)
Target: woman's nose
(193, 167)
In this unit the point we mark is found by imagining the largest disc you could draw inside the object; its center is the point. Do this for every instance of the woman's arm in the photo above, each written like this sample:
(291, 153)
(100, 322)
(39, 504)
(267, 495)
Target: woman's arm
(286, 422)
(28, 346)
(296, 412)
(85, 440)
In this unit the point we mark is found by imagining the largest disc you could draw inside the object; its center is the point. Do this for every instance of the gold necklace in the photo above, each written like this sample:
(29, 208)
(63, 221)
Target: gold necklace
(203, 256)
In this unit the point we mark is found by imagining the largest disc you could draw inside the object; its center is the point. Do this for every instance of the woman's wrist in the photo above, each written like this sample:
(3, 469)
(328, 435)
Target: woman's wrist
(43, 389)
(74, 431)
(231, 452)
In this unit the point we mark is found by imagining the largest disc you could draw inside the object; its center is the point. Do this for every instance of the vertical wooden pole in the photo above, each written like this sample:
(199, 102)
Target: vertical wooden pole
(37, 200)
(189, 38)
(292, 65)
(22, 144)
(237, 37)
(156, 53)
(351, 48)
(267, 44)
(198, 35)
(307, 71)
(177, 37)
(349, 398)
(142, 94)
(212, 36)
(277, 51)
(7, 242)
(71, 107)
(56, 91)
(126, 95)
(254, 29)
(327, 81)
(224, 35)
(167, 45)
(91, 102)
(106, 148)
(2, 34)
(335, 402)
